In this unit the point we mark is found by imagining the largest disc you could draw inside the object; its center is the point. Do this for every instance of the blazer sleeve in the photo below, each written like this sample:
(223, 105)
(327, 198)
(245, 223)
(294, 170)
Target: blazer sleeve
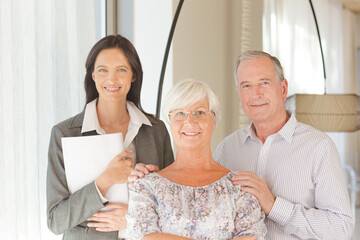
(168, 152)
(65, 210)
(152, 144)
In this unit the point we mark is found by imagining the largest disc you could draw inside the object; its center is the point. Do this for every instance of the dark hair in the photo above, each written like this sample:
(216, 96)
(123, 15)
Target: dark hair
(115, 41)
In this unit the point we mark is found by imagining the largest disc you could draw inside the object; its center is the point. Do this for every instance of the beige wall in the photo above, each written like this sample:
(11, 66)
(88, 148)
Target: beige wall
(358, 30)
(207, 39)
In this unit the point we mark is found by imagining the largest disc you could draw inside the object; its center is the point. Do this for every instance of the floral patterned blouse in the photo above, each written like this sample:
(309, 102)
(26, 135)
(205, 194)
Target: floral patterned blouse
(215, 211)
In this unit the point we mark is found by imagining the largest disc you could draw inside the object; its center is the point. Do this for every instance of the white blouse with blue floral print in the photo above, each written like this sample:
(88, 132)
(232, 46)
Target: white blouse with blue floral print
(215, 211)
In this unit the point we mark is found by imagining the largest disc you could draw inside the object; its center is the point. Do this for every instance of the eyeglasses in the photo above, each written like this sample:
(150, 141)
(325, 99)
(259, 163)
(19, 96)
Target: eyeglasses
(197, 115)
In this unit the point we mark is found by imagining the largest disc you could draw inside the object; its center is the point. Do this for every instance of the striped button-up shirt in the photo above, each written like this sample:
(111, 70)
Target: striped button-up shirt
(302, 168)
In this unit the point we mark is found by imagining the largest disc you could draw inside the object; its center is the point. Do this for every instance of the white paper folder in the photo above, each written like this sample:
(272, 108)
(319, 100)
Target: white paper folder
(86, 157)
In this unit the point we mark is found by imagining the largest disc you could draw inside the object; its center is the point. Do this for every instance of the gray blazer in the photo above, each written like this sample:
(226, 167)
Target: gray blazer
(67, 213)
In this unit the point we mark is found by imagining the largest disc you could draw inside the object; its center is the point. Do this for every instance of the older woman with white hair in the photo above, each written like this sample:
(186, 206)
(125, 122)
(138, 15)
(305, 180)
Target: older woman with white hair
(194, 197)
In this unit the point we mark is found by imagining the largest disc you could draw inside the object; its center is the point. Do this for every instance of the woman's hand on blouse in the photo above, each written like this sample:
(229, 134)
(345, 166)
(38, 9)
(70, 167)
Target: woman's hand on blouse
(253, 237)
(141, 170)
(117, 172)
(112, 220)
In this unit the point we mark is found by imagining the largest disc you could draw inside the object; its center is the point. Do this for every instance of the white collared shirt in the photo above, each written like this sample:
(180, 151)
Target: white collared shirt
(302, 169)
(137, 118)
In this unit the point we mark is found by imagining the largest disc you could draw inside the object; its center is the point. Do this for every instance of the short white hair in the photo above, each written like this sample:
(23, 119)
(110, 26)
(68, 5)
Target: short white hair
(188, 92)
(253, 54)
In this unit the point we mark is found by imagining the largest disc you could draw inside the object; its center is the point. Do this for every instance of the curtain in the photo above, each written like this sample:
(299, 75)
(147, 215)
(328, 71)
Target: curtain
(290, 34)
(43, 48)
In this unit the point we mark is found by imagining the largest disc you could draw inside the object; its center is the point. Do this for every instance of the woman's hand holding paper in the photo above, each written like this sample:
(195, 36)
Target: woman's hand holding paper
(117, 172)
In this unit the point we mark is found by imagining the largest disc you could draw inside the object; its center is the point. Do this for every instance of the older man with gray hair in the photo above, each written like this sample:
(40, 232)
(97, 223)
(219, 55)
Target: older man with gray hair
(293, 169)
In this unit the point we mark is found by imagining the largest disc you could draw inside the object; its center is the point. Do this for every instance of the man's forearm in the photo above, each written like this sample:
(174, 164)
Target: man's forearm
(311, 223)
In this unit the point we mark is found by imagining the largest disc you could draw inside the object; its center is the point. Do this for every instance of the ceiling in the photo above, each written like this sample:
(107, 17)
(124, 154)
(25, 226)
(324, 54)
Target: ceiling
(353, 5)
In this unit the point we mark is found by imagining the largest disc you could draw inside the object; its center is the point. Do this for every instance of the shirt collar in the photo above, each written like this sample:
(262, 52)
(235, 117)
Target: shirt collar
(91, 120)
(249, 133)
(286, 131)
(136, 116)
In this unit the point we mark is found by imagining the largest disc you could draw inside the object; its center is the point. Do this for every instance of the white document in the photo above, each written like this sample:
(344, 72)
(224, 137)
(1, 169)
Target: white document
(86, 157)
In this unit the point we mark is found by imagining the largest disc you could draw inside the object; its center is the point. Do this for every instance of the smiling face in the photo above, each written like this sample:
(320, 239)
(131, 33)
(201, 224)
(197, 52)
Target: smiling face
(193, 133)
(112, 75)
(261, 94)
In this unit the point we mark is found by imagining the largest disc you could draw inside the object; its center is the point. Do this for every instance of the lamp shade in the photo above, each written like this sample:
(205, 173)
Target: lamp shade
(328, 112)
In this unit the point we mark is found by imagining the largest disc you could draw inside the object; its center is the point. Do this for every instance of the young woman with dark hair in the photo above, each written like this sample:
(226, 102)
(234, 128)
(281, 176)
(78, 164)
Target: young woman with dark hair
(113, 84)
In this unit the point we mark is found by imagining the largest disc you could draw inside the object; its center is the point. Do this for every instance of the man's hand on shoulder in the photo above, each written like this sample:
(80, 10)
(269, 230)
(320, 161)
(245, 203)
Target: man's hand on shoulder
(255, 185)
